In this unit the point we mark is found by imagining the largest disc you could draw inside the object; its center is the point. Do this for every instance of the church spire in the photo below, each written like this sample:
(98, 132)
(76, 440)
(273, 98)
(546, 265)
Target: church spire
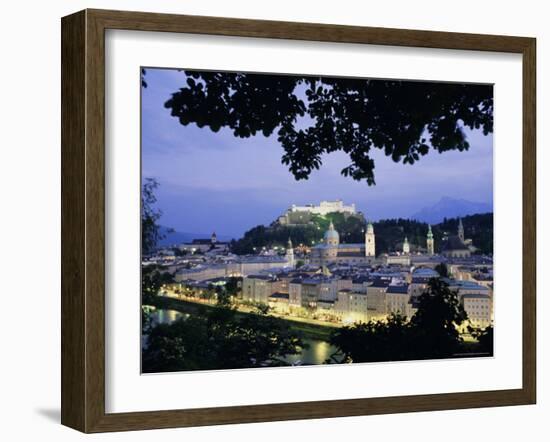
(460, 230)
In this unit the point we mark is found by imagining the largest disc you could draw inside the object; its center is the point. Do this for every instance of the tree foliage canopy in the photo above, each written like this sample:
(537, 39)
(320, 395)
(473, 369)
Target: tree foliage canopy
(153, 277)
(219, 338)
(150, 231)
(374, 341)
(439, 313)
(315, 115)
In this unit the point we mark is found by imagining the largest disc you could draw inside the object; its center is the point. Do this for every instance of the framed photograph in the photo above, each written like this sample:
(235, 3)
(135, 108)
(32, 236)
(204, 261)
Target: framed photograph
(267, 220)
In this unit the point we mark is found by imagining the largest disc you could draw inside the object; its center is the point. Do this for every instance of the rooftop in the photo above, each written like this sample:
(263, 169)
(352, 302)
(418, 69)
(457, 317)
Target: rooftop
(279, 295)
(420, 280)
(360, 279)
(262, 277)
(398, 289)
(466, 285)
(260, 259)
(425, 273)
(475, 296)
(345, 253)
(380, 283)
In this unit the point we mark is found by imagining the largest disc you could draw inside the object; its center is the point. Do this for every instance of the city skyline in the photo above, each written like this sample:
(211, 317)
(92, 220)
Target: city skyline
(252, 187)
(318, 284)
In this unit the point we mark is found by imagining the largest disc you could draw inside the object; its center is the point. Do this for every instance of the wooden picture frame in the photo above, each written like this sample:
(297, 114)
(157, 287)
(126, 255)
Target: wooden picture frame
(83, 220)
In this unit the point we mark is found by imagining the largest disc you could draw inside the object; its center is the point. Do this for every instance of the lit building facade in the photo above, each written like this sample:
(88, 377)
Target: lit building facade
(479, 309)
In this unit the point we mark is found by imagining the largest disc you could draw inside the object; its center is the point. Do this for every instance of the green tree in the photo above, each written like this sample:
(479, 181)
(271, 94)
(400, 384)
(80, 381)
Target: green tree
(275, 235)
(179, 252)
(485, 338)
(315, 115)
(219, 338)
(223, 298)
(150, 230)
(146, 321)
(373, 341)
(442, 269)
(436, 321)
(152, 279)
(232, 286)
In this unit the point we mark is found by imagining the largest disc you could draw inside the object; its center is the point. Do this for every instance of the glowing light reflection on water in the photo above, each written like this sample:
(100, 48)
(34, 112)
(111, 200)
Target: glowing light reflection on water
(317, 353)
(164, 316)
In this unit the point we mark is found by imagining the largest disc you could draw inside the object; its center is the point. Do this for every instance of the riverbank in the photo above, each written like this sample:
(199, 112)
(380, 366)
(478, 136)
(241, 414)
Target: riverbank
(469, 348)
(308, 330)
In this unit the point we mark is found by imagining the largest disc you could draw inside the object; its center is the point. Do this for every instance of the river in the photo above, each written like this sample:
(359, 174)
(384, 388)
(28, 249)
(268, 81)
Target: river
(317, 352)
(165, 316)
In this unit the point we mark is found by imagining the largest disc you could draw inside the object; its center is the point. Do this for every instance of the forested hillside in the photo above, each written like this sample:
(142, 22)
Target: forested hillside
(390, 233)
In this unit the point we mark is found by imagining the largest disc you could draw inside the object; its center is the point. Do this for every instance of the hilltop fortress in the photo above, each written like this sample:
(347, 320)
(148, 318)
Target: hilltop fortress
(297, 215)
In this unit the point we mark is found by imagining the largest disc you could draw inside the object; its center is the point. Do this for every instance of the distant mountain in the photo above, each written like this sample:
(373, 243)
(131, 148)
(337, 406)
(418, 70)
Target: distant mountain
(450, 208)
(175, 237)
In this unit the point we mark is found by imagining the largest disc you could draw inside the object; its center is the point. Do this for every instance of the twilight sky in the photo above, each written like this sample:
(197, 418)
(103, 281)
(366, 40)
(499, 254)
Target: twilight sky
(216, 182)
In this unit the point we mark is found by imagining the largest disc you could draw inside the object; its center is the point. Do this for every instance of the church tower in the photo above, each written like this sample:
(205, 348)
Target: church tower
(290, 253)
(406, 246)
(460, 230)
(213, 238)
(430, 241)
(370, 241)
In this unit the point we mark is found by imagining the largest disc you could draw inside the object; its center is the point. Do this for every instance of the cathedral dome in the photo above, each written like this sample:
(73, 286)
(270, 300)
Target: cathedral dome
(331, 235)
